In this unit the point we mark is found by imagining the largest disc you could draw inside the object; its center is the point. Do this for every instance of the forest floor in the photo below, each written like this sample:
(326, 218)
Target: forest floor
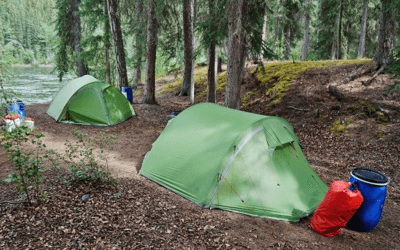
(147, 215)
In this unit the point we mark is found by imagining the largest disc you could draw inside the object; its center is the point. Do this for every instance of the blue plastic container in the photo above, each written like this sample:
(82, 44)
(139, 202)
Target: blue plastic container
(18, 108)
(21, 111)
(128, 93)
(373, 187)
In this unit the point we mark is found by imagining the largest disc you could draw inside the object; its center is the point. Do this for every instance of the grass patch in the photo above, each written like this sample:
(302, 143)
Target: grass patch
(281, 74)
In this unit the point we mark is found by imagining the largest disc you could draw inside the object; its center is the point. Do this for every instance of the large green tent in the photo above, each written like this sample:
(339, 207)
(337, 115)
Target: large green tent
(237, 161)
(89, 101)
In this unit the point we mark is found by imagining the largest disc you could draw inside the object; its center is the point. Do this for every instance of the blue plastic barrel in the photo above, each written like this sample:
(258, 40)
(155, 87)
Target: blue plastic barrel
(21, 111)
(17, 108)
(373, 187)
(128, 93)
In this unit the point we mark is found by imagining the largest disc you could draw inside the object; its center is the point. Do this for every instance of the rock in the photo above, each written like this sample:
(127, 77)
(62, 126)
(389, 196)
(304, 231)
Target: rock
(85, 197)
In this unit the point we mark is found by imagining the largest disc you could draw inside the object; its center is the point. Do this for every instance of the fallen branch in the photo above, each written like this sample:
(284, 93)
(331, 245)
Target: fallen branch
(298, 108)
(332, 87)
(367, 83)
(13, 202)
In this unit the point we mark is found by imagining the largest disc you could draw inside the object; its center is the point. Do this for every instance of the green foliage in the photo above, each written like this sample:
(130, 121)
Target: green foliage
(28, 164)
(28, 57)
(86, 159)
(30, 23)
(64, 52)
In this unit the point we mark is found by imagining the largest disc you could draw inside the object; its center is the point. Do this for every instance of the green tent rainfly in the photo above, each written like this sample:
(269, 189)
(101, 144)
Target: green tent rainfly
(89, 101)
(236, 161)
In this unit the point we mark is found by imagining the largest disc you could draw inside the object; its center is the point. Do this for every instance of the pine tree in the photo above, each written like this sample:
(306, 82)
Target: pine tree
(118, 42)
(236, 54)
(152, 28)
(361, 46)
(306, 31)
(138, 43)
(188, 31)
(383, 54)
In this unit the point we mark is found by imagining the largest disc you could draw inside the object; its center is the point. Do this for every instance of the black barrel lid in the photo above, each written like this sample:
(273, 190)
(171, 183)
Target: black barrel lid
(370, 175)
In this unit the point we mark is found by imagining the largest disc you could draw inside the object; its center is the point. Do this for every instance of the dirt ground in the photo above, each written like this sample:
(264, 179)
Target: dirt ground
(149, 216)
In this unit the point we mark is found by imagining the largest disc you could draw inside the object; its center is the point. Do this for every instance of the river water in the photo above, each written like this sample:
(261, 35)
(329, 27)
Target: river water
(35, 84)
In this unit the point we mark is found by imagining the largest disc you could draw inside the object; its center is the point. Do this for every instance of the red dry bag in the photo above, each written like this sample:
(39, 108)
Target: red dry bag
(338, 206)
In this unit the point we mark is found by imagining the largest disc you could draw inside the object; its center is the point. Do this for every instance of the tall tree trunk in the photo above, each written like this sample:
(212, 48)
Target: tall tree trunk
(107, 44)
(118, 43)
(288, 38)
(264, 28)
(212, 73)
(306, 33)
(188, 74)
(137, 75)
(219, 67)
(149, 96)
(333, 51)
(385, 36)
(235, 54)
(339, 35)
(108, 66)
(212, 61)
(276, 34)
(361, 44)
(76, 37)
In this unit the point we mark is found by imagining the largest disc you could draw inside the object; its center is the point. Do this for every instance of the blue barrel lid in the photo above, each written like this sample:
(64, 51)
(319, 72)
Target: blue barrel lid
(370, 176)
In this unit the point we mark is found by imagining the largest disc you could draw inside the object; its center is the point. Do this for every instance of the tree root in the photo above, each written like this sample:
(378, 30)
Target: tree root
(332, 87)
(299, 109)
(367, 83)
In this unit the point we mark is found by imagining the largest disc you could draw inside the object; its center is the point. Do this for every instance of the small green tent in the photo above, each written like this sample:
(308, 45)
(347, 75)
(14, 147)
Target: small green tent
(236, 161)
(89, 101)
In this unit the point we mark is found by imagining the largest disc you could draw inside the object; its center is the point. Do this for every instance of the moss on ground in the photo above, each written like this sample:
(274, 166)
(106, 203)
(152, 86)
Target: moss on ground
(281, 74)
(200, 77)
(339, 127)
(371, 111)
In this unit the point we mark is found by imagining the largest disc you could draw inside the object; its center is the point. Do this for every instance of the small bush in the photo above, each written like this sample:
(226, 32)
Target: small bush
(28, 57)
(83, 163)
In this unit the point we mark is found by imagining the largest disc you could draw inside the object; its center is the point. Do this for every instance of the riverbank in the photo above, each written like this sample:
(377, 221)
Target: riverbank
(147, 215)
(33, 65)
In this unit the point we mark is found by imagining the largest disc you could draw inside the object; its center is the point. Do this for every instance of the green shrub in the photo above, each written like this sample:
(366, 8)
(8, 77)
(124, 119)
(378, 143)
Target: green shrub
(28, 57)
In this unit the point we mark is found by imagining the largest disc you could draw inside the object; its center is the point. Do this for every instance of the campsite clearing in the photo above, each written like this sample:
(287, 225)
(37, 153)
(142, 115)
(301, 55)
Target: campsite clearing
(147, 214)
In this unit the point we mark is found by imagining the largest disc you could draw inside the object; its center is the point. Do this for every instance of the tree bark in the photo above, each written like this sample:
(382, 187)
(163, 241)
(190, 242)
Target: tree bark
(107, 45)
(150, 83)
(76, 37)
(108, 66)
(235, 54)
(118, 43)
(212, 73)
(219, 64)
(288, 38)
(385, 36)
(339, 34)
(333, 51)
(306, 33)
(188, 74)
(264, 35)
(361, 44)
(137, 75)
(212, 65)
